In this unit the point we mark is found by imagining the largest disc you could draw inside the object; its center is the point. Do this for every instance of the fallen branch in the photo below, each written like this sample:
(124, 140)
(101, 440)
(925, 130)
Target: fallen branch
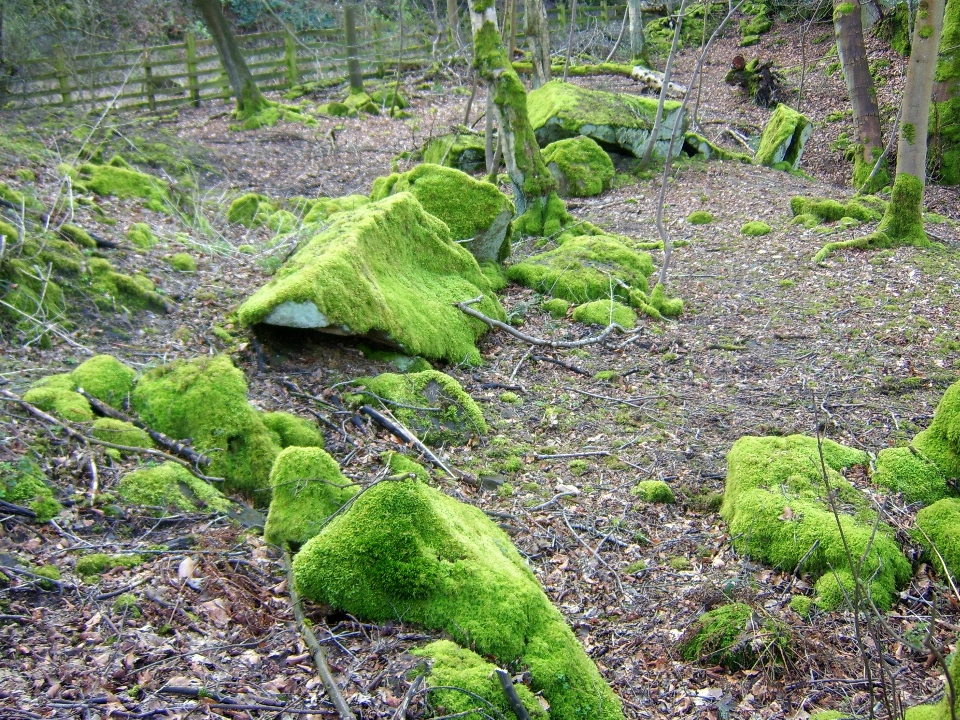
(651, 78)
(17, 509)
(401, 712)
(569, 366)
(513, 700)
(316, 650)
(566, 456)
(404, 434)
(465, 308)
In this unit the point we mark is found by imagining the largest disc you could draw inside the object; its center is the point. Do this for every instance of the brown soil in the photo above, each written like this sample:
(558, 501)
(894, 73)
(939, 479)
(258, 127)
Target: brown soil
(861, 348)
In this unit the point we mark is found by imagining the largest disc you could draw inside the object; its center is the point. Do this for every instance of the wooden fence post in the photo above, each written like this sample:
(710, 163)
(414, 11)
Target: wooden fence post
(290, 58)
(60, 63)
(148, 84)
(192, 81)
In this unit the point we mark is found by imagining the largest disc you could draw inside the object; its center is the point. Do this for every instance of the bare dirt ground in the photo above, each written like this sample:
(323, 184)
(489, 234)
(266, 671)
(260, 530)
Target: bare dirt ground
(769, 343)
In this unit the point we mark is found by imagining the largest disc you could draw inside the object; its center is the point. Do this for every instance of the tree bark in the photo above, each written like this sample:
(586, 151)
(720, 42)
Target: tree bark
(248, 96)
(945, 125)
(538, 37)
(353, 59)
(863, 96)
(453, 22)
(638, 48)
(573, 27)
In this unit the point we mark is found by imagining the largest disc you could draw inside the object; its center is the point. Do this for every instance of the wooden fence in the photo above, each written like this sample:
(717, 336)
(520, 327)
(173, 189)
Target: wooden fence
(190, 72)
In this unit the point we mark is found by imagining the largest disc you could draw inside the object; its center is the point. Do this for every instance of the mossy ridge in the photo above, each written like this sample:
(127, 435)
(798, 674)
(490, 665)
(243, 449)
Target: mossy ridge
(464, 151)
(206, 399)
(783, 137)
(406, 550)
(389, 270)
(865, 209)
(268, 114)
(473, 210)
(119, 179)
(605, 312)
(456, 417)
(293, 430)
(26, 485)
(116, 291)
(734, 637)
(171, 487)
(322, 208)
(765, 475)
(454, 666)
(581, 167)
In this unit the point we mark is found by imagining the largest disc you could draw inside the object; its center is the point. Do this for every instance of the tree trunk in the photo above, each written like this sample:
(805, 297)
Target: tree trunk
(667, 70)
(863, 96)
(510, 28)
(353, 59)
(538, 37)
(903, 221)
(638, 48)
(453, 22)
(945, 128)
(573, 27)
(249, 98)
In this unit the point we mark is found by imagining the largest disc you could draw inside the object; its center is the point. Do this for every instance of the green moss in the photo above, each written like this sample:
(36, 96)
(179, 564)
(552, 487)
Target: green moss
(903, 221)
(142, 236)
(474, 210)
(754, 228)
(113, 289)
(510, 398)
(389, 270)
(464, 151)
(171, 487)
(783, 137)
(454, 416)
(99, 563)
(182, 262)
(802, 605)
(659, 31)
(293, 430)
(283, 221)
(653, 491)
(844, 8)
(105, 378)
(323, 208)
(699, 217)
(126, 603)
(402, 465)
(557, 307)
(405, 550)
(125, 182)
(119, 432)
(584, 268)
(733, 636)
(206, 399)
(942, 710)
(776, 507)
(668, 307)
(580, 166)
(78, 236)
(938, 526)
(51, 572)
(68, 404)
(26, 485)
(250, 210)
(906, 470)
(862, 169)
(495, 274)
(605, 312)
(456, 667)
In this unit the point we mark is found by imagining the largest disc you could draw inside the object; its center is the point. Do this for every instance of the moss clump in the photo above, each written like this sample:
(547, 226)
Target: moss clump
(557, 307)
(388, 270)
(474, 210)
(942, 710)
(307, 489)
(580, 166)
(405, 550)
(658, 300)
(453, 416)
(654, 491)
(402, 465)
(114, 289)
(605, 312)
(938, 526)
(142, 236)
(754, 228)
(171, 487)
(806, 220)
(465, 151)
(802, 605)
(122, 181)
(119, 432)
(828, 210)
(323, 208)
(700, 20)
(59, 397)
(206, 400)
(250, 210)
(106, 378)
(455, 667)
(584, 268)
(699, 217)
(78, 236)
(292, 430)
(182, 262)
(733, 636)
(783, 137)
(25, 484)
(127, 603)
(775, 502)
(99, 563)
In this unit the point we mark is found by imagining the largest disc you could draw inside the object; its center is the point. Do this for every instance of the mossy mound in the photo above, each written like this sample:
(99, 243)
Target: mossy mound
(182, 262)
(754, 228)
(938, 526)
(270, 114)
(292, 430)
(783, 137)
(171, 488)
(658, 300)
(699, 217)
(734, 637)
(775, 503)
(251, 210)
(116, 291)
(581, 167)
(57, 394)
(121, 180)
(307, 489)
(474, 210)
(141, 235)
(431, 403)
(654, 491)
(26, 485)
(402, 465)
(205, 399)
(829, 210)
(323, 208)
(557, 307)
(605, 312)
(560, 110)
(388, 270)
(99, 563)
(452, 666)
(464, 151)
(405, 550)
(102, 376)
(119, 432)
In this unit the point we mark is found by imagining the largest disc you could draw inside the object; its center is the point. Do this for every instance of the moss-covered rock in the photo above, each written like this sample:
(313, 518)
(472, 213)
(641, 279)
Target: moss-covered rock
(25, 484)
(205, 399)
(251, 210)
(293, 430)
(99, 563)
(653, 491)
(141, 235)
(699, 217)
(829, 210)
(57, 394)
(405, 550)
(604, 312)
(477, 213)
(388, 270)
(307, 489)
(464, 151)
(323, 208)
(783, 137)
(775, 503)
(119, 432)
(171, 488)
(431, 403)
(182, 262)
(452, 666)
(105, 378)
(754, 228)
(116, 291)
(120, 180)
(735, 637)
(581, 167)
(938, 526)
(560, 110)
(557, 307)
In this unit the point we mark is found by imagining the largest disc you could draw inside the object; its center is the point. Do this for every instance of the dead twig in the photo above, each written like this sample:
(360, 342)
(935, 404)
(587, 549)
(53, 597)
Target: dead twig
(399, 431)
(513, 700)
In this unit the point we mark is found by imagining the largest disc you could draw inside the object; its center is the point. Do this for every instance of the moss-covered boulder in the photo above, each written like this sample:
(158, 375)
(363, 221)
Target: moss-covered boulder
(477, 213)
(582, 168)
(937, 529)
(560, 110)
(775, 503)
(171, 488)
(783, 137)
(431, 403)
(389, 271)
(464, 151)
(293, 430)
(307, 489)
(735, 637)
(406, 551)
(323, 208)
(205, 399)
(25, 484)
(119, 432)
(102, 376)
(119, 179)
(58, 394)
(251, 210)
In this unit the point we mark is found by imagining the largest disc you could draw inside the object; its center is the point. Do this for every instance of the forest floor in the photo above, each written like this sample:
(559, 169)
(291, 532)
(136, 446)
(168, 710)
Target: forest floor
(861, 347)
